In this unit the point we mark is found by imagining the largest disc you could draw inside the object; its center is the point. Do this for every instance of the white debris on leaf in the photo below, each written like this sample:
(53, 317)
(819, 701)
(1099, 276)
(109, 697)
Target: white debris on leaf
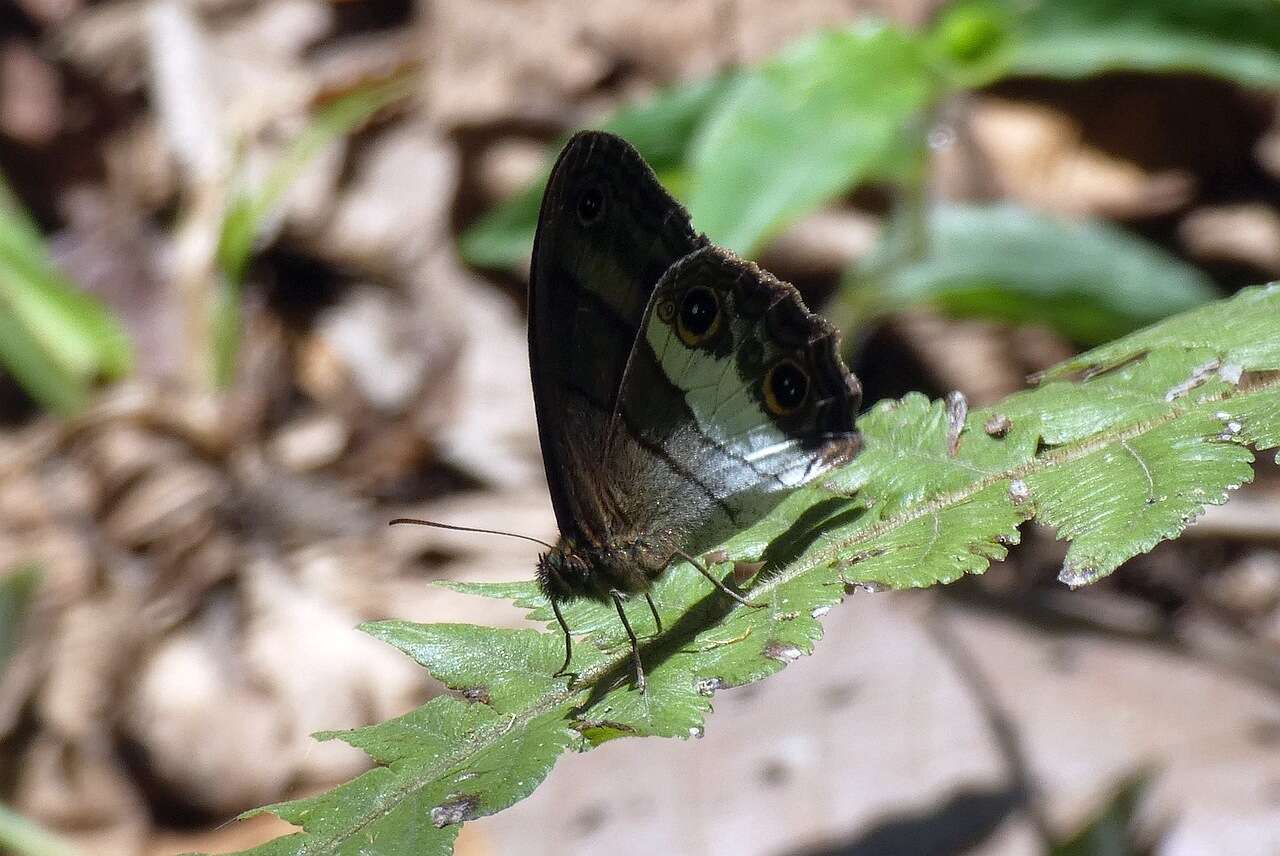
(957, 413)
(1198, 376)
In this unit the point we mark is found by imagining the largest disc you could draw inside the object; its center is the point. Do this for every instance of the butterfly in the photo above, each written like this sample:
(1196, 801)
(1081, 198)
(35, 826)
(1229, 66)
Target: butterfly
(681, 392)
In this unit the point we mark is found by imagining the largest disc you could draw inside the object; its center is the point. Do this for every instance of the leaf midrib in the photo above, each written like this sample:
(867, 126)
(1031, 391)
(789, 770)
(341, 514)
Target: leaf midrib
(1051, 459)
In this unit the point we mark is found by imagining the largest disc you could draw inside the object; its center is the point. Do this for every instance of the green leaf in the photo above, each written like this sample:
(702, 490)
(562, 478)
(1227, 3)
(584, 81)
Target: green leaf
(22, 837)
(1110, 831)
(1118, 449)
(765, 147)
(660, 129)
(503, 238)
(54, 339)
(446, 763)
(1238, 40)
(826, 114)
(975, 41)
(246, 218)
(1240, 331)
(16, 589)
(1129, 495)
(247, 215)
(1088, 280)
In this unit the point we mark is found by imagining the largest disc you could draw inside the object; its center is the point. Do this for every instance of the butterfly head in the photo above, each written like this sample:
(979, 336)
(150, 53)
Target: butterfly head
(574, 568)
(563, 573)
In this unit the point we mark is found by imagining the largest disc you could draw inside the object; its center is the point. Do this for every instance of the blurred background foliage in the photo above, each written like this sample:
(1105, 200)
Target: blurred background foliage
(755, 150)
(261, 271)
(54, 339)
(753, 153)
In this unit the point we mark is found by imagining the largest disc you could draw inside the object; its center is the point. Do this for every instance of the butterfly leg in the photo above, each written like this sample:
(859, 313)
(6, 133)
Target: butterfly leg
(568, 640)
(635, 644)
(656, 619)
(702, 569)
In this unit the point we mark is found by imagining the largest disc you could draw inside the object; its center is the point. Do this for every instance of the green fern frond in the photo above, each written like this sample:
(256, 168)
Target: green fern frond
(1118, 449)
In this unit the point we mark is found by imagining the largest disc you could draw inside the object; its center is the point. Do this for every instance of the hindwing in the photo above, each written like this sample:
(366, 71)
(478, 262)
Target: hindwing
(738, 389)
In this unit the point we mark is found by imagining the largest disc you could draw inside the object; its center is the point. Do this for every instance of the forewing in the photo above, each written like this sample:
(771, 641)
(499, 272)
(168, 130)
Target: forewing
(607, 232)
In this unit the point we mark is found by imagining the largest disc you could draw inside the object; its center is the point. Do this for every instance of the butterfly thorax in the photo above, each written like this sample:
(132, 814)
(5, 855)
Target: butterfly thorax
(573, 569)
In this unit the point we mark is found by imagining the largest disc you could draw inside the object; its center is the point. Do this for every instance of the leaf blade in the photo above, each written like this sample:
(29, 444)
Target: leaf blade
(820, 117)
(930, 506)
(1237, 40)
(54, 339)
(1088, 280)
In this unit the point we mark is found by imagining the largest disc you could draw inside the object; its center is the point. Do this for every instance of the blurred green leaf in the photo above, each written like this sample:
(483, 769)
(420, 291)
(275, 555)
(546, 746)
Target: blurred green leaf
(16, 588)
(246, 219)
(1235, 39)
(975, 41)
(1116, 461)
(20, 836)
(1088, 280)
(1239, 331)
(54, 339)
(249, 211)
(1110, 831)
(38, 372)
(503, 238)
(846, 106)
(827, 113)
(660, 129)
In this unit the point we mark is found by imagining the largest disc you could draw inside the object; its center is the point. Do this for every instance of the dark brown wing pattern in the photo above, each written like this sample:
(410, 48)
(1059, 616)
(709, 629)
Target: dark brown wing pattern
(681, 392)
(739, 394)
(607, 232)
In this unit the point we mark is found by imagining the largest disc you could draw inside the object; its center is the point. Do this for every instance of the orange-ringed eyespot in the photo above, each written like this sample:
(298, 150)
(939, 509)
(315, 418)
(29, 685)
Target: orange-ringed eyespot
(699, 315)
(785, 388)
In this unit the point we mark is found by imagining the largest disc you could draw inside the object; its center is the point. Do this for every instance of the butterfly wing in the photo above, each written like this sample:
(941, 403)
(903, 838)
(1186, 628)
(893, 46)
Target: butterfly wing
(607, 232)
(737, 394)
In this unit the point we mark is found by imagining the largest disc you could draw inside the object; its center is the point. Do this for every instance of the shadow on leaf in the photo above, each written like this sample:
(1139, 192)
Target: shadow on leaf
(823, 517)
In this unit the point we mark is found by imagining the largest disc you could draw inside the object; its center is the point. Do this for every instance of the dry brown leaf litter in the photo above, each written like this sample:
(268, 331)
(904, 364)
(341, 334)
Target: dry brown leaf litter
(206, 557)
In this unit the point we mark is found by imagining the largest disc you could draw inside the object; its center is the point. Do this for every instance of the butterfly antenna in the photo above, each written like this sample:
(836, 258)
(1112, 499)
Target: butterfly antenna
(433, 524)
(555, 607)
